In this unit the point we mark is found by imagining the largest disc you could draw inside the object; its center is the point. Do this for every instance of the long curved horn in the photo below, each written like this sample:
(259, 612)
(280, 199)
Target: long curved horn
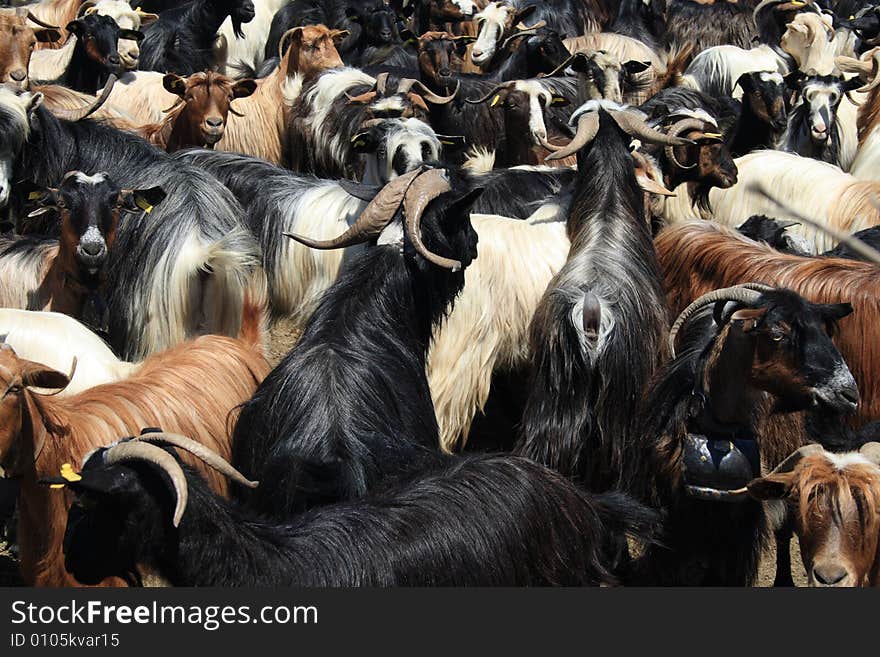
(429, 95)
(532, 31)
(875, 72)
(789, 462)
(373, 219)
(636, 127)
(85, 7)
(498, 87)
(80, 114)
(427, 187)
(567, 62)
(677, 129)
(200, 451)
(135, 450)
(283, 42)
(747, 293)
(588, 126)
(381, 83)
(34, 19)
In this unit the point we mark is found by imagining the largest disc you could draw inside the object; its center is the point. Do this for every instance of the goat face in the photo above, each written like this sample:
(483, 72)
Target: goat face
(207, 99)
(17, 42)
(820, 96)
(523, 103)
(604, 76)
(393, 147)
(100, 37)
(440, 55)
(312, 49)
(765, 93)
(708, 160)
(496, 21)
(787, 341)
(127, 19)
(380, 25)
(89, 208)
(451, 11)
(809, 39)
(835, 503)
(17, 455)
(544, 51)
(16, 108)
(239, 11)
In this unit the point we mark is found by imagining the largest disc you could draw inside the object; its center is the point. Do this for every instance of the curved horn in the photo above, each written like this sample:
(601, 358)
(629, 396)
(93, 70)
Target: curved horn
(283, 43)
(588, 126)
(789, 462)
(72, 366)
(532, 31)
(200, 451)
(647, 183)
(381, 83)
(428, 186)
(80, 114)
(763, 5)
(566, 63)
(135, 450)
(373, 219)
(430, 96)
(875, 72)
(675, 130)
(498, 87)
(636, 127)
(747, 293)
(85, 7)
(34, 19)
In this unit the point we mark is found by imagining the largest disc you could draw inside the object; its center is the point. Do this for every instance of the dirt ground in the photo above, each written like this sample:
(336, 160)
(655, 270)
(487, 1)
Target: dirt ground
(282, 336)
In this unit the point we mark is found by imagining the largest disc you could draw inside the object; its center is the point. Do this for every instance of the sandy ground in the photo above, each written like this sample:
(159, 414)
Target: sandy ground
(282, 336)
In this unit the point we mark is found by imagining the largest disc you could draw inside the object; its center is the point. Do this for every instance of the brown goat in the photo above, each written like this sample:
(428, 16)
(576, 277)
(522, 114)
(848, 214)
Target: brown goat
(697, 257)
(311, 50)
(836, 509)
(200, 117)
(17, 42)
(192, 389)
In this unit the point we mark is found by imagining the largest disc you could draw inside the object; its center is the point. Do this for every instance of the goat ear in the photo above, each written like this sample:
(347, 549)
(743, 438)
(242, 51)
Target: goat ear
(76, 28)
(338, 35)
(133, 35)
(464, 202)
(452, 142)
(524, 13)
(38, 375)
(243, 88)
(47, 35)
(852, 84)
(174, 84)
(772, 487)
(749, 317)
(634, 66)
(722, 311)
(33, 103)
(352, 14)
(745, 82)
(364, 142)
(835, 311)
(147, 18)
(135, 200)
(45, 198)
(793, 80)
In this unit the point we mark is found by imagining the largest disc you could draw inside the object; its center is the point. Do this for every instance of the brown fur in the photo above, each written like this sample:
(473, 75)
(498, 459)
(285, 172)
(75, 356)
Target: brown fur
(869, 115)
(18, 38)
(192, 389)
(699, 257)
(56, 12)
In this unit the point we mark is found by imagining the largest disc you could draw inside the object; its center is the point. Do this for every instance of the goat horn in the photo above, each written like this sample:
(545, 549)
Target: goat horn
(566, 63)
(363, 99)
(875, 72)
(282, 45)
(69, 376)
(636, 127)
(34, 19)
(382, 83)
(588, 126)
(532, 31)
(747, 293)
(498, 87)
(135, 450)
(85, 7)
(789, 462)
(234, 113)
(80, 114)
(430, 96)
(871, 451)
(373, 219)
(200, 451)
(429, 185)
(678, 128)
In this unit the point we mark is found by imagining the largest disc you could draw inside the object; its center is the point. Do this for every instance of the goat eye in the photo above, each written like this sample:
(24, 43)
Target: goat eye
(13, 390)
(61, 203)
(777, 336)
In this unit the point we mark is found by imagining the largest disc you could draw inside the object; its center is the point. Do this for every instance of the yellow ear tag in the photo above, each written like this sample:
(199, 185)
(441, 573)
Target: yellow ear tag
(33, 196)
(798, 3)
(143, 204)
(852, 17)
(447, 143)
(359, 143)
(495, 100)
(712, 135)
(68, 473)
(557, 100)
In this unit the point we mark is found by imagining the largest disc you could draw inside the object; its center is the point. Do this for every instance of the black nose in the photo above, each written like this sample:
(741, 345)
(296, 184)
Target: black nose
(445, 72)
(385, 34)
(18, 75)
(850, 394)
(829, 575)
(214, 122)
(114, 59)
(92, 248)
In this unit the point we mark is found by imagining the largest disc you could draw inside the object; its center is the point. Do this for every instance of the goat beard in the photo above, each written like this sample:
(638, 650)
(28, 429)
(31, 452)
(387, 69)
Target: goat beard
(236, 29)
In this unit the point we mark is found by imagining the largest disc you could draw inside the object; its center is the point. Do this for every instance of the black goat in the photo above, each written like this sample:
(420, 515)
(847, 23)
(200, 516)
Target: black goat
(772, 232)
(715, 413)
(762, 117)
(597, 334)
(644, 20)
(309, 430)
(516, 524)
(181, 41)
(707, 25)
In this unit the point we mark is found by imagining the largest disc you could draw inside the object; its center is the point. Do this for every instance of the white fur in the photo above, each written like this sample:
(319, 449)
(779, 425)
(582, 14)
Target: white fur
(142, 96)
(5, 179)
(467, 7)
(96, 179)
(536, 92)
(806, 38)
(50, 63)
(492, 20)
(720, 67)
(843, 461)
(841, 378)
(54, 340)
(251, 49)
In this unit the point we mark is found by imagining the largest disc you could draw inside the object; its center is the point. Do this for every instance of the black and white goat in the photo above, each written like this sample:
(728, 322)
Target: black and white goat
(311, 430)
(180, 272)
(597, 334)
(517, 524)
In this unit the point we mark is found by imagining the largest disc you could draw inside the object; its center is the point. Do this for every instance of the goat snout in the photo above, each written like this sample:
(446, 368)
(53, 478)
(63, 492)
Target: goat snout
(18, 74)
(213, 129)
(830, 575)
(114, 60)
(91, 254)
(130, 57)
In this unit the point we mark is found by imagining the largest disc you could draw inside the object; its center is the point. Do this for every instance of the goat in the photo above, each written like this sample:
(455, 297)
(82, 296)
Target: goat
(73, 275)
(596, 336)
(17, 41)
(200, 116)
(763, 115)
(181, 40)
(54, 339)
(772, 232)
(698, 257)
(717, 411)
(809, 41)
(435, 15)
(835, 499)
(707, 25)
(127, 19)
(864, 165)
(715, 71)
(644, 20)
(243, 46)
(602, 75)
(193, 388)
(179, 274)
(814, 129)
(530, 524)
(312, 438)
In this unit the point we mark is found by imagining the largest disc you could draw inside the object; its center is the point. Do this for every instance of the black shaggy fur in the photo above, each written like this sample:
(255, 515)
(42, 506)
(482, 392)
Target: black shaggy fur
(470, 521)
(358, 371)
(710, 25)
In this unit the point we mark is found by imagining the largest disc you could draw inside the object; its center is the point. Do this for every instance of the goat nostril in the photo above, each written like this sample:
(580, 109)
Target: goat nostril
(214, 122)
(851, 395)
(114, 59)
(92, 248)
(445, 72)
(18, 75)
(829, 575)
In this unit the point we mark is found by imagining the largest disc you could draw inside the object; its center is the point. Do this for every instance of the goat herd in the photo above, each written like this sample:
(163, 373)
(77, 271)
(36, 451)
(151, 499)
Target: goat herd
(584, 291)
